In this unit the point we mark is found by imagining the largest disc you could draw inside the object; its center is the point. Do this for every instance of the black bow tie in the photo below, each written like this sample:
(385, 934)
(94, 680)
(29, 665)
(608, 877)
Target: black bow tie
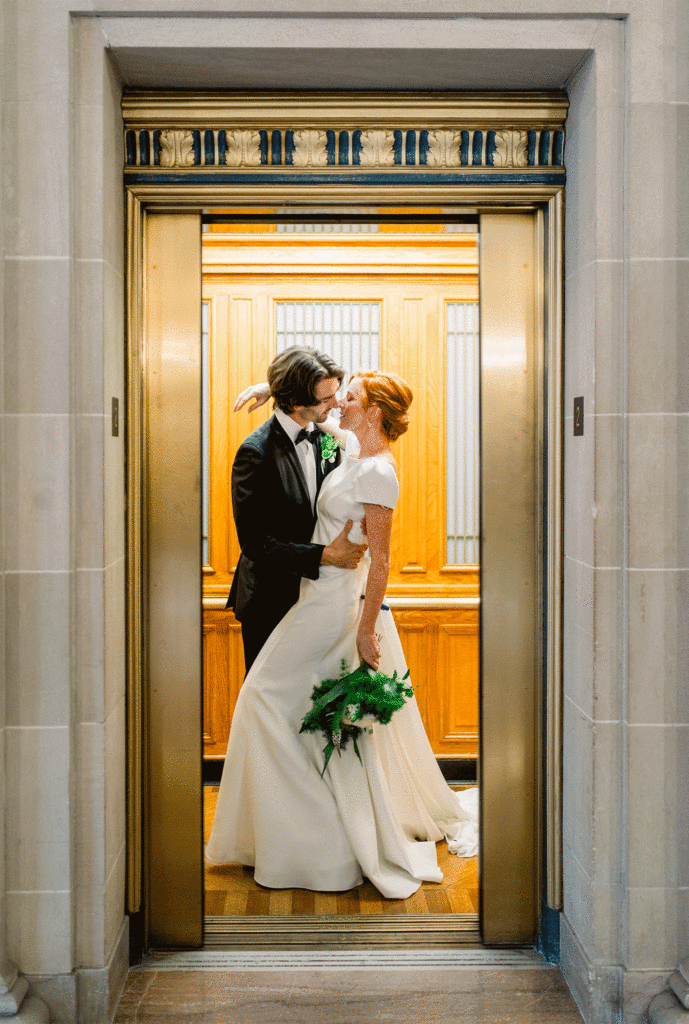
(308, 435)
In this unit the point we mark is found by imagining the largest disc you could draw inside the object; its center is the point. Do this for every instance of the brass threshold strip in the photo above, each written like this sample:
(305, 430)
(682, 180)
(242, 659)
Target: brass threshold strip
(260, 931)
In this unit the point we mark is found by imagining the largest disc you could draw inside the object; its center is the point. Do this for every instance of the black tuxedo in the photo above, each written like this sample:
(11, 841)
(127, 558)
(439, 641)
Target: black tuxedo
(275, 522)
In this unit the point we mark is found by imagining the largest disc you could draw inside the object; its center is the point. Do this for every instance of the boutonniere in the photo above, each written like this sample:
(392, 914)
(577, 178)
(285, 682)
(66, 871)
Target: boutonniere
(329, 446)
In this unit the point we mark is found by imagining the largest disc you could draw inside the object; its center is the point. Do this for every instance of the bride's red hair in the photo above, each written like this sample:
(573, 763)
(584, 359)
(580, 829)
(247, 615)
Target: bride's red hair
(392, 394)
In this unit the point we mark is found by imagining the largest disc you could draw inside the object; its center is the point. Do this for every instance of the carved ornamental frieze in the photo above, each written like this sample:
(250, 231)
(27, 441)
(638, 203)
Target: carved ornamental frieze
(498, 134)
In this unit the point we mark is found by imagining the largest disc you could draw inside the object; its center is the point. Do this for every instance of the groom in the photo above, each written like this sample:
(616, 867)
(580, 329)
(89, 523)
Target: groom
(276, 476)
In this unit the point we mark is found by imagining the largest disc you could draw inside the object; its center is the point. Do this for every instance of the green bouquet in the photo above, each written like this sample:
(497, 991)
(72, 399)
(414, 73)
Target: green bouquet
(343, 707)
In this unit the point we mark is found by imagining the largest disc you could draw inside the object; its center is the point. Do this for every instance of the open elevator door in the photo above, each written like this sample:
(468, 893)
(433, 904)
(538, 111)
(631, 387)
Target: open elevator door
(510, 850)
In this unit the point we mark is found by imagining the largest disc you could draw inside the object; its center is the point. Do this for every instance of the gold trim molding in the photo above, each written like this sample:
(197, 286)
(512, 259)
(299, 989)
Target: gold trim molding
(504, 183)
(343, 132)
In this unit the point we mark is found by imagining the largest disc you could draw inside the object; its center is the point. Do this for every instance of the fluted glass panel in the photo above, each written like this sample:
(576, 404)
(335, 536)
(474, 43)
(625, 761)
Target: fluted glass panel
(324, 229)
(348, 331)
(462, 432)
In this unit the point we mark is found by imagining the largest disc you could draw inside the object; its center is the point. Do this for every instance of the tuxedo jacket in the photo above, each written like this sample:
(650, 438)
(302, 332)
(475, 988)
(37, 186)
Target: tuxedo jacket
(275, 521)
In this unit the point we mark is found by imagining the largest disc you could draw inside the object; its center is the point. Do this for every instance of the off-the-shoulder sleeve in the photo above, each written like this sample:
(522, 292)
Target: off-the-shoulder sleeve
(376, 483)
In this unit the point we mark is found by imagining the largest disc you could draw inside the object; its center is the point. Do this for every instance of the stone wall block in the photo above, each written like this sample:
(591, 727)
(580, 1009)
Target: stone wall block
(91, 807)
(89, 42)
(658, 319)
(37, 506)
(606, 509)
(609, 60)
(39, 933)
(577, 899)
(579, 504)
(609, 172)
(677, 41)
(112, 381)
(90, 845)
(37, 190)
(88, 337)
(609, 309)
(658, 605)
(659, 492)
(658, 926)
(90, 644)
(115, 637)
(114, 761)
(88, 187)
(608, 650)
(38, 649)
(657, 42)
(38, 827)
(606, 804)
(607, 906)
(90, 482)
(658, 813)
(578, 784)
(38, 31)
(37, 335)
(112, 191)
(597, 988)
(580, 217)
(581, 333)
(658, 180)
(114, 904)
(578, 659)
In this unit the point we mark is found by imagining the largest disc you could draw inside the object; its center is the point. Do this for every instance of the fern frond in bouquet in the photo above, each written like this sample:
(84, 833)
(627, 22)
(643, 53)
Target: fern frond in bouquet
(343, 707)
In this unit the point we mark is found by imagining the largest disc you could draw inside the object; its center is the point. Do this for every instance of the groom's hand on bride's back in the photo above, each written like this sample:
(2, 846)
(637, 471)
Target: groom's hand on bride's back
(342, 552)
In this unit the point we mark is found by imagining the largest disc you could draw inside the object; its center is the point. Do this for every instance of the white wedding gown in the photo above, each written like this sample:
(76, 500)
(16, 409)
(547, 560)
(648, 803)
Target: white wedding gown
(378, 819)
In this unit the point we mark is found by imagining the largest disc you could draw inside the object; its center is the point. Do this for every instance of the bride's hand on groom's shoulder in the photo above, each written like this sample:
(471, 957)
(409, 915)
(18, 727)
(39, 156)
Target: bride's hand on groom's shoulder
(368, 647)
(260, 394)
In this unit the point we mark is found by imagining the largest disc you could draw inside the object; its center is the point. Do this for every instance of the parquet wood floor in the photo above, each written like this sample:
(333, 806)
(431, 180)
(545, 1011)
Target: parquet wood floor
(230, 889)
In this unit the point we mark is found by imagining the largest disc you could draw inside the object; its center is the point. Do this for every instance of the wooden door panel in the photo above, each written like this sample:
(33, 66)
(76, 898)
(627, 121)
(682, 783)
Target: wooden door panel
(223, 672)
(239, 355)
(457, 677)
(441, 649)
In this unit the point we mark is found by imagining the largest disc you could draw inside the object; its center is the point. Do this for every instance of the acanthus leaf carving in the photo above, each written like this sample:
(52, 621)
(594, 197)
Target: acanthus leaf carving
(242, 148)
(503, 149)
(444, 149)
(511, 149)
(310, 148)
(377, 148)
(176, 149)
(521, 149)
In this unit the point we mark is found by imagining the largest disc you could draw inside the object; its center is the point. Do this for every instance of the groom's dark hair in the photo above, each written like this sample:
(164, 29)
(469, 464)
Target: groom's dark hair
(294, 374)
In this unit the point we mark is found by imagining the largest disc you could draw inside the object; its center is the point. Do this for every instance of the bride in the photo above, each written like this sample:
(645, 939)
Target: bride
(377, 818)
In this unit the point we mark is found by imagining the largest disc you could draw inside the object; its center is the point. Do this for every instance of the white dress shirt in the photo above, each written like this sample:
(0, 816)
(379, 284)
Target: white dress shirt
(304, 450)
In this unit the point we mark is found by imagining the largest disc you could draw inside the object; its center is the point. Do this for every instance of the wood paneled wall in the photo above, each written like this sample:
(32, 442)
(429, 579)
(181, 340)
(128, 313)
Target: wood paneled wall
(413, 278)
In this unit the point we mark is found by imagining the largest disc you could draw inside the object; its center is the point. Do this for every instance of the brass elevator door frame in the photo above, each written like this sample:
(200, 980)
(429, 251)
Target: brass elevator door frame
(164, 313)
(172, 347)
(509, 705)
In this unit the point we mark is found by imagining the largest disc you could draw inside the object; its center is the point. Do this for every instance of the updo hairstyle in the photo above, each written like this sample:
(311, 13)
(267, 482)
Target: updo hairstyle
(392, 395)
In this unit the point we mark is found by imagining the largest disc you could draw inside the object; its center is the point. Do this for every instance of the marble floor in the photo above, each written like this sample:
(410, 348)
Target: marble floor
(407, 995)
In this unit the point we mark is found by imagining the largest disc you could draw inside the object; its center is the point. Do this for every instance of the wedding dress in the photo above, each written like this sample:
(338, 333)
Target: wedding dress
(379, 818)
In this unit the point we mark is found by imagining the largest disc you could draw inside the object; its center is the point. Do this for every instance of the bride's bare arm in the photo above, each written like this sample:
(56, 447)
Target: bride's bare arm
(378, 531)
(259, 392)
